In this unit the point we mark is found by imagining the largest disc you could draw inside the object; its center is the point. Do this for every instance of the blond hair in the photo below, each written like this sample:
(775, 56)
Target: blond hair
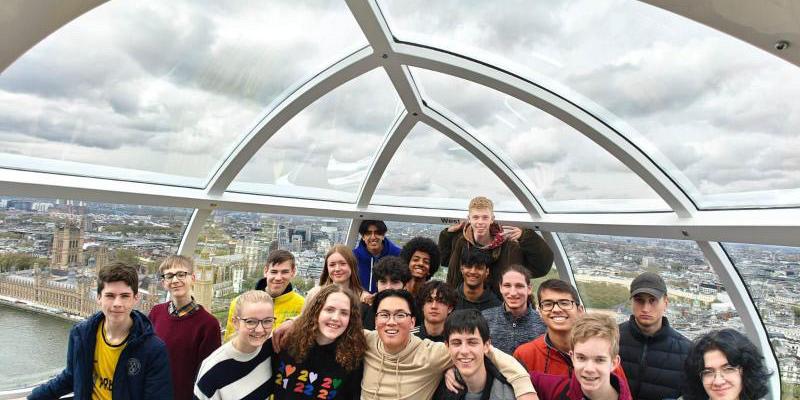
(480, 203)
(251, 297)
(596, 325)
(177, 261)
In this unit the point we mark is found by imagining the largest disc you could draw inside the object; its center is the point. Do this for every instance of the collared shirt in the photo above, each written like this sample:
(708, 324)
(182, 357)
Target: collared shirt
(188, 309)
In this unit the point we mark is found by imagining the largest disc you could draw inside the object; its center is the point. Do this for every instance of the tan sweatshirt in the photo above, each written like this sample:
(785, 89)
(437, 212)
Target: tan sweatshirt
(415, 372)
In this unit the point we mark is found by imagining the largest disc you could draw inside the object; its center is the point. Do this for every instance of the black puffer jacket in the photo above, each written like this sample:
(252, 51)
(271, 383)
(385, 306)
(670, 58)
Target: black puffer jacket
(653, 364)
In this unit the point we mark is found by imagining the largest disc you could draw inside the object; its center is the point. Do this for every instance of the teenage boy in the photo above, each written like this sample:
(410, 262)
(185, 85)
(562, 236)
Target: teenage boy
(505, 245)
(438, 300)
(277, 281)
(473, 292)
(467, 339)
(372, 246)
(652, 351)
(390, 273)
(422, 256)
(560, 308)
(594, 341)
(113, 353)
(401, 366)
(515, 321)
(188, 330)
(241, 368)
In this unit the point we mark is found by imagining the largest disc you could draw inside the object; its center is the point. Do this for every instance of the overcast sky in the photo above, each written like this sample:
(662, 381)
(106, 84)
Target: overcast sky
(170, 87)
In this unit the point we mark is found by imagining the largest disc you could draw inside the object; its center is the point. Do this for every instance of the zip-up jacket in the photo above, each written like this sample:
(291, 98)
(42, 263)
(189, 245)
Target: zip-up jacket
(496, 387)
(366, 261)
(142, 372)
(653, 364)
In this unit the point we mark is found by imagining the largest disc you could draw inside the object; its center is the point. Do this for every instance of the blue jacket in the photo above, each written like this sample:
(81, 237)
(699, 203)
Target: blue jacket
(142, 372)
(367, 260)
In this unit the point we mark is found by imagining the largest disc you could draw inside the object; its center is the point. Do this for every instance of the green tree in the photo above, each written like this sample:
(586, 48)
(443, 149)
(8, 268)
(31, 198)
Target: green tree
(126, 256)
(19, 261)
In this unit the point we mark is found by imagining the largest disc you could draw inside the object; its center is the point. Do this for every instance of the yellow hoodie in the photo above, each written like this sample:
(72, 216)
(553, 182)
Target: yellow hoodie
(415, 372)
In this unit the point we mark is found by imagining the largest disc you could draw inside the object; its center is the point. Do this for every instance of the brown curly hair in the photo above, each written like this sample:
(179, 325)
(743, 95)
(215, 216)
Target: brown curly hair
(350, 346)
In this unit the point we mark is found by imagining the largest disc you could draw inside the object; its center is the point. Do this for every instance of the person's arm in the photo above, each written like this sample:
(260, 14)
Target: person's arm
(537, 254)
(63, 383)
(446, 243)
(516, 375)
(229, 329)
(158, 377)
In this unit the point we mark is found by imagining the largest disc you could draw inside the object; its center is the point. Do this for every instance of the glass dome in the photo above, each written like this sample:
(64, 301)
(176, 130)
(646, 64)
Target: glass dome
(633, 135)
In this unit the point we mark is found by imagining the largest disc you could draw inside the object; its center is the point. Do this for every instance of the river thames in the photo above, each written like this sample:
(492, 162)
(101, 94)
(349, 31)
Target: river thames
(34, 347)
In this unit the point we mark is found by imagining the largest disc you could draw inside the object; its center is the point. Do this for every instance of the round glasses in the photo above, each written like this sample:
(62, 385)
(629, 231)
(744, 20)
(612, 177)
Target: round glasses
(708, 375)
(252, 323)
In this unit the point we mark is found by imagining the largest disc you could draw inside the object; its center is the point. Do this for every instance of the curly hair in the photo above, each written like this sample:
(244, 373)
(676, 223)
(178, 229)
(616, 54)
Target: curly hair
(444, 293)
(424, 245)
(739, 351)
(350, 346)
(391, 268)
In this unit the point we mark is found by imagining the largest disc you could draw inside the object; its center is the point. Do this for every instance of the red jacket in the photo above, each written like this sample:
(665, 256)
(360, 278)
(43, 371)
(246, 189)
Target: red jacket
(539, 355)
(560, 387)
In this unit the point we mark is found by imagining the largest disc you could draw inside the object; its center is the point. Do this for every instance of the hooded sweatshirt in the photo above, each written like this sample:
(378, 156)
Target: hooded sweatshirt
(288, 305)
(415, 372)
(366, 261)
(142, 371)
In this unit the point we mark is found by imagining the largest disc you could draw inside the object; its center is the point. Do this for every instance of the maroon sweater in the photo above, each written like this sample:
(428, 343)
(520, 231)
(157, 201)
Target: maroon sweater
(190, 339)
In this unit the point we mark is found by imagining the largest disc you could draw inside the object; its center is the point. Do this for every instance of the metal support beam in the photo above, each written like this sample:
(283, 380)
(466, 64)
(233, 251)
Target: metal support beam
(737, 291)
(400, 129)
(192, 231)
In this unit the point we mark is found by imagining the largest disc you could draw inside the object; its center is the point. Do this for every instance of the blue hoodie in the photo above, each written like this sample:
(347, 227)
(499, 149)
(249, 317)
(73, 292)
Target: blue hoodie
(141, 373)
(366, 261)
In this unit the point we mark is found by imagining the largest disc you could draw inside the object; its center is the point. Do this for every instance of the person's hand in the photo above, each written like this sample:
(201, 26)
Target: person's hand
(280, 336)
(367, 297)
(456, 227)
(512, 232)
(451, 382)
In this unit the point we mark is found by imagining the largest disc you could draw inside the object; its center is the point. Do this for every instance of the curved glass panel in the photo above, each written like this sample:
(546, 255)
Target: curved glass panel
(771, 276)
(161, 91)
(50, 250)
(325, 151)
(604, 267)
(431, 171)
(718, 115)
(566, 171)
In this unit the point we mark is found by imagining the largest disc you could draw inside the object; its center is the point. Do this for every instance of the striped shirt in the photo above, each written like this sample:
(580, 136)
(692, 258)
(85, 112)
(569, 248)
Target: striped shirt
(230, 374)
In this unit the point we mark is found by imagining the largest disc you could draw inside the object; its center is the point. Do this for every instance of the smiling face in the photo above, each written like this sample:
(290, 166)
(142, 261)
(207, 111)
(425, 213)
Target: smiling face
(338, 269)
(177, 287)
(373, 239)
(648, 310)
(249, 339)
(467, 351)
(278, 277)
(515, 290)
(420, 265)
(721, 386)
(116, 301)
(593, 364)
(394, 334)
(474, 275)
(333, 318)
(481, 219)
(434, 310)
(559, 320)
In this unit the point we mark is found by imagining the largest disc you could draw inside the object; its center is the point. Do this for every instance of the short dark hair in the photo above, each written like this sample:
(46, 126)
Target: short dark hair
(401, 293)
(391, 268)
(557, 285)
(466, 321)
(118, 272)
(280, 256)
(739, 351)
(380, 225)
(444, 293)
(424, 245)
(472, 255)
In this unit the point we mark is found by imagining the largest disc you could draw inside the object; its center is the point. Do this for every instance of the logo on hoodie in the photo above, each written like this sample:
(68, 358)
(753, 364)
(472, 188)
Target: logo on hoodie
(134, 366)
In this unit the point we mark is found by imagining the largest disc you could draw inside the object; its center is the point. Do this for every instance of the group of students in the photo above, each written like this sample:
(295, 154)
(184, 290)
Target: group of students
(377, 327)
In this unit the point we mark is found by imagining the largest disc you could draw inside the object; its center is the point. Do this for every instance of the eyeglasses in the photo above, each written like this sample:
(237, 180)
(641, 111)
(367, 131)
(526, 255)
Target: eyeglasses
(399, 316)
(169, 275)
(252, 323)
(708, 375)
(563, 304)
